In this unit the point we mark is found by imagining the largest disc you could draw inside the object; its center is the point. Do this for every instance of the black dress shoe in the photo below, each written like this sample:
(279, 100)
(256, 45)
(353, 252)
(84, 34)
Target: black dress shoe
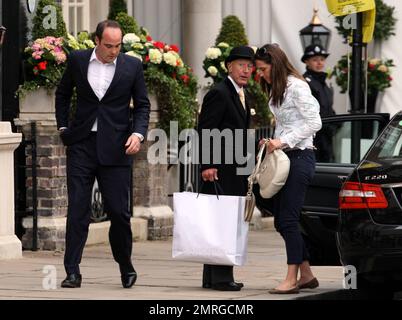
(207, 285)
(72, 281)
(227, 286)
(128, 279)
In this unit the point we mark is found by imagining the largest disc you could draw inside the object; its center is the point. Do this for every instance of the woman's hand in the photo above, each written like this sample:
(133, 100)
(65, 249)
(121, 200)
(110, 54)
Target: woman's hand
(274, 144)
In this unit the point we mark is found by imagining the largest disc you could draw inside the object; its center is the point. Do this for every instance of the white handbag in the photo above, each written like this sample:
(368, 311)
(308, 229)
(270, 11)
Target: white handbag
(209, 229)
(271, 172)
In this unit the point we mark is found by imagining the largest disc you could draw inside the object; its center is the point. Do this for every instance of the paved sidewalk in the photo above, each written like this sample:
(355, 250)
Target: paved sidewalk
(159, 277)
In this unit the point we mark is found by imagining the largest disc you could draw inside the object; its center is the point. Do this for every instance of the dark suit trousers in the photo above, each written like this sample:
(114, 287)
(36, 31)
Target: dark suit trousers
(214, 274)
(114, 183)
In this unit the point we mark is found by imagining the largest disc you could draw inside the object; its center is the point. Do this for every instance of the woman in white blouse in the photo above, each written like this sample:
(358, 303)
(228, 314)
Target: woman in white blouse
(297, 120)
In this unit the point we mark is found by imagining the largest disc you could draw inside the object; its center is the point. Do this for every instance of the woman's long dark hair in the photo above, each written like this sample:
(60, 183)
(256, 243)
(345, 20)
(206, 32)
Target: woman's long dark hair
(281, 69)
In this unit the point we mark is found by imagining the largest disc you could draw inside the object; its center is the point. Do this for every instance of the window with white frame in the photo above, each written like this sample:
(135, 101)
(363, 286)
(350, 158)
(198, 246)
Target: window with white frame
(76, 15)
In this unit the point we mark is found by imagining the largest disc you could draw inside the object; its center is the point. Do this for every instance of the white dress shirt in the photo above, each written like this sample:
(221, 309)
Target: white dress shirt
(100, 76)
(235, 84)
(298, 117)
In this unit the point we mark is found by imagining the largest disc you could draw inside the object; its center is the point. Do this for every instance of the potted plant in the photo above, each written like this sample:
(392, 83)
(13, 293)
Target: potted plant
(378, 77)
(168, 78)
(44, 63)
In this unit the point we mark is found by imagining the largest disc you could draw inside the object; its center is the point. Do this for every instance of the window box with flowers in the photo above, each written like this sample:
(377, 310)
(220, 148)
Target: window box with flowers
(167, 77)
(378, 77)
(44, 63)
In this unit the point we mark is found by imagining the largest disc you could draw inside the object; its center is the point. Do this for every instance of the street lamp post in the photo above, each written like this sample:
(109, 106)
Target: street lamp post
(315, 33)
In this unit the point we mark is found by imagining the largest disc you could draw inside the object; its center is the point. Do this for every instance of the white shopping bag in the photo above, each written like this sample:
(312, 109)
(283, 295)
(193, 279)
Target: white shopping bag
(209, 230)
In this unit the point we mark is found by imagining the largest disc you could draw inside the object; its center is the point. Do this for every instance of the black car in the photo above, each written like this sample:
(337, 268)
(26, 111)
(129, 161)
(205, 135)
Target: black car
(352, 136)
(369, 235)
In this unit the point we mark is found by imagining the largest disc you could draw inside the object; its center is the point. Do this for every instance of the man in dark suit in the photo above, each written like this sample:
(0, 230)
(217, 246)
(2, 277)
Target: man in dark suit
(224, 107)
(100, 140)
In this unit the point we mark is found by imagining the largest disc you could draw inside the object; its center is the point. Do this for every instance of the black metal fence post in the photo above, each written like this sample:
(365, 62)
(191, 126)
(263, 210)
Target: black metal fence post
(34, 189)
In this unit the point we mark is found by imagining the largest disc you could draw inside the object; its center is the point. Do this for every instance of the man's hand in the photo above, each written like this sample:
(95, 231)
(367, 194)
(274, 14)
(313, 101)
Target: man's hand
(133, 145)
(210, 175)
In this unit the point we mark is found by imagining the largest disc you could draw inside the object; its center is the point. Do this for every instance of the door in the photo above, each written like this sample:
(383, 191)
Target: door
(351, 136)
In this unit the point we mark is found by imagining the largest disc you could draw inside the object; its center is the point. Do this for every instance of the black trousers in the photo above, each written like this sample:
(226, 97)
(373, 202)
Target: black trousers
(214, 274)
(288, 202)
(114, 183)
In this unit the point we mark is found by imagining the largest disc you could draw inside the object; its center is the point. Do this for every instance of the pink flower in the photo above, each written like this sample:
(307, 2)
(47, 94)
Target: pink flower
(36, 47)
(37, 55)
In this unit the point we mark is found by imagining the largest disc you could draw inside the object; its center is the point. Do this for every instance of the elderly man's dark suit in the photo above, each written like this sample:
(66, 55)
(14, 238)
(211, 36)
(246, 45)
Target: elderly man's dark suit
(102, 154)
(222, 109)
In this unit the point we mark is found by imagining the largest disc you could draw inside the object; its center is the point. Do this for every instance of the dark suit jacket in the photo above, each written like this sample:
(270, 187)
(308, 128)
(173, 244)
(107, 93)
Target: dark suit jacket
(222, 109)
(112, 112)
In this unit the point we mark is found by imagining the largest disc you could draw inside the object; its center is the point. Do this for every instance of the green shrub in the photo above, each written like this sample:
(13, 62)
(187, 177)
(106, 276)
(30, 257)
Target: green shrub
(42, 18)
(232, 32)
(116, 7)
(128, 24)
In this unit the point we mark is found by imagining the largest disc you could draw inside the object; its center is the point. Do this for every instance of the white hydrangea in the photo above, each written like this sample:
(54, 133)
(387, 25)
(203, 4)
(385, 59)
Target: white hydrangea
(223, 45)
(223, 66)
(213, 53)
(155, 56)
(89, 43)
(170, 58)
(137, 46)
(213, 71)
(134, 54)
(131, 38)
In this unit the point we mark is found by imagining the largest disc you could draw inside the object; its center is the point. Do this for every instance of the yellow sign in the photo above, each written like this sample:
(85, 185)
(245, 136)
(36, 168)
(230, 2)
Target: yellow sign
(345, 7)
(368, 25)
(349, 7)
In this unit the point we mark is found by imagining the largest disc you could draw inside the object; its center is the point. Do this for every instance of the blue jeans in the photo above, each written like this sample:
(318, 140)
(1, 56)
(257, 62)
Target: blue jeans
(287, 204)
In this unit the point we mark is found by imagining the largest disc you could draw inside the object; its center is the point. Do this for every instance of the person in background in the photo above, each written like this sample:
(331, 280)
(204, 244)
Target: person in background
(315, 57)
(297, 119)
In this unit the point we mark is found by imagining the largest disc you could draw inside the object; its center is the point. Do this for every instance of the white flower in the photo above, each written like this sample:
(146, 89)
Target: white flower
(254, 48)
(133, 54)
(170, 58)
(131, 38)
(137, 46)
(223, 66)
(223, 45)
(89, 43)
(383, 68)
(155, 56)
(213, 53)
(213, 71)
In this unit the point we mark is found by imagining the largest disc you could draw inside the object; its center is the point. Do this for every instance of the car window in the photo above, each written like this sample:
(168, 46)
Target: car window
(389, 144)
(345, 142)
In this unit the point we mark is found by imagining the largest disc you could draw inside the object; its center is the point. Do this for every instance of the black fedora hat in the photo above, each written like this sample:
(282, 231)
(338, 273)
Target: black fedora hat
(241, 52)
(314, 50)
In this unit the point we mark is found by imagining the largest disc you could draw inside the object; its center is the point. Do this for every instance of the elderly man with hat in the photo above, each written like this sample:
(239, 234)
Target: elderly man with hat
(314, 57)
(225, 107)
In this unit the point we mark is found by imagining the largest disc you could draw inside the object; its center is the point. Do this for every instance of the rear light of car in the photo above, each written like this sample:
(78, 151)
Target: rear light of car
(355, 195)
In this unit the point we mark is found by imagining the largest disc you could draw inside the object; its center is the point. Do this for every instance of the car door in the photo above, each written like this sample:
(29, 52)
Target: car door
(349, 138)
